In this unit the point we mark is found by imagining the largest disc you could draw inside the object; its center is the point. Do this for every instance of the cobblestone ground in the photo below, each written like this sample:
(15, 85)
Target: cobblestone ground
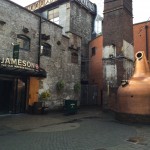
(88, 133)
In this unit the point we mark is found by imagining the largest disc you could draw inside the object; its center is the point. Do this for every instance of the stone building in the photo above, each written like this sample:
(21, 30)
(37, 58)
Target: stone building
(35, 55)
(77, 18)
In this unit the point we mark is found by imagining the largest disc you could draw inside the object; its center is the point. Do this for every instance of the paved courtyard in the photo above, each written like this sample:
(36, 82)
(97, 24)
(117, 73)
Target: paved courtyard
(89, 129)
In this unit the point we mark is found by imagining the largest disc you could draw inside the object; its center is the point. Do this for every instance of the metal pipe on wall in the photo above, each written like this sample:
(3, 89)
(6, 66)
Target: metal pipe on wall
(146, 34)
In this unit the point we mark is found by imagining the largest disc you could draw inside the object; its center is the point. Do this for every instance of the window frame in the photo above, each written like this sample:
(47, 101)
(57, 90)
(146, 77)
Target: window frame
(47, 52)
(93, 51)
(55, 15)
(74, 58)
(24, 39)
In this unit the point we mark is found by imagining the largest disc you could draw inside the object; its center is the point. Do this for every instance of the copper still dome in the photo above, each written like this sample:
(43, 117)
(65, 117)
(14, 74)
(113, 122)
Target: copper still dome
(133, 96)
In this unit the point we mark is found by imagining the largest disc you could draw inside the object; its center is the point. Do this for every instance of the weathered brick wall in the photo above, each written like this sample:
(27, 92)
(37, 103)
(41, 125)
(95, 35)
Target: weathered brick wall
(81, 22)
(117, 24)
(118, 54)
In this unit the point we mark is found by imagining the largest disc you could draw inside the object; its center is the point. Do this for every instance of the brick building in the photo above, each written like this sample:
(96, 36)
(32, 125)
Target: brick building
(141, 37)
(118, 54)
(141, 34)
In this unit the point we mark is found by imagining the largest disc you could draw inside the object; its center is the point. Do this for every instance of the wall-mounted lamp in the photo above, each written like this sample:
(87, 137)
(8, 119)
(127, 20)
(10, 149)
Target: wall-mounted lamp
(25, 30)
(78, 48)
(2, 22)
(45, 37)
(58, 43)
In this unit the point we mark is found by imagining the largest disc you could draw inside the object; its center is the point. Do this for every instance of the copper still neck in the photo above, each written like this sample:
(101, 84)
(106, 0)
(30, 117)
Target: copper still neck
(141, 65)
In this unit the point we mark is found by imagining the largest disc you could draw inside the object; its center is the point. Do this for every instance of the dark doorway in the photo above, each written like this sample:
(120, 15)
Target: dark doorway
(6, 93)
(12, 95)
(20, 100)
(89, 95)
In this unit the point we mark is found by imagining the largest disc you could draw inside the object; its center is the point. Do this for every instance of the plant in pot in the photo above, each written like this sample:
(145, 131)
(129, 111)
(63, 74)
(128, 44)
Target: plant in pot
(44, 96)
(60, 86)
(40, 107)
(77, 87)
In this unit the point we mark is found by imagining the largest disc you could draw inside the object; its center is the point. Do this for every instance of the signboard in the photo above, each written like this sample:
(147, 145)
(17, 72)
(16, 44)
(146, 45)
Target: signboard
(41, 3)
(18, 63)
(16, 52)
(87, 4)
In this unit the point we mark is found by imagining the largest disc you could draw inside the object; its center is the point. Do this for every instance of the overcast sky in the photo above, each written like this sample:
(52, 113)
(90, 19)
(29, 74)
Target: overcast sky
(141, 8)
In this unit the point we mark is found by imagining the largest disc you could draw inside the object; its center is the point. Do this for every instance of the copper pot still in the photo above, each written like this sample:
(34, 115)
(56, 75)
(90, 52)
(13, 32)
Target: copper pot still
(133, 96)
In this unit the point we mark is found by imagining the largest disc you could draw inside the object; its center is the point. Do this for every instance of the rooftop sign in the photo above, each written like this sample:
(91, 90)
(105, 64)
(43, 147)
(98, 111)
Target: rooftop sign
(41, 3)
(89, 5)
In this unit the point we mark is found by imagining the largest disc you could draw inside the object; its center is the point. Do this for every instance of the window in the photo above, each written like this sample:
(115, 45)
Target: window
(74, 57)
(53, 15)
(23, 41)
(93, 51)
(46, 49)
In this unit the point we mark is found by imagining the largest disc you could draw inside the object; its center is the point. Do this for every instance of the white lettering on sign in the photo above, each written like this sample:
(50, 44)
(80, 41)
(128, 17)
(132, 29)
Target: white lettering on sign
(87, 4)
(39, 4)
(18, 63)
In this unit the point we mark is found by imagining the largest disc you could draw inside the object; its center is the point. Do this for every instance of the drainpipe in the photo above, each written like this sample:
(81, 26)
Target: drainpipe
(146, 33)
(93, 24)
(39, 52)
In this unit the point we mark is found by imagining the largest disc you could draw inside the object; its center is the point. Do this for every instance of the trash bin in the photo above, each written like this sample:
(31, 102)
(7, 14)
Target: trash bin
(70, 107)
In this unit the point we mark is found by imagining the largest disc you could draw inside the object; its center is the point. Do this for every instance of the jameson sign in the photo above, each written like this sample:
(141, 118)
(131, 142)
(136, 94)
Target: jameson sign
(18, 63)
(87, 4)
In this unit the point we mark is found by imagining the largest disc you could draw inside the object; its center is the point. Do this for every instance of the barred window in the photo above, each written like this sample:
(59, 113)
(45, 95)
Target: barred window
(46, 49)
(93, 51)
(23, 41)
(74, 58)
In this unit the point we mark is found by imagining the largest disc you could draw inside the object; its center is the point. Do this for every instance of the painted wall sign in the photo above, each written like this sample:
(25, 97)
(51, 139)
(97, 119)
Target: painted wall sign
(86, 3)
(18, 63)
(89, 5)
(39, 4)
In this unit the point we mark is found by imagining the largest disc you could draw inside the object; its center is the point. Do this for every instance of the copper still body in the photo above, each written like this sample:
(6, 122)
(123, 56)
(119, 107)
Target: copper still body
(134, 94)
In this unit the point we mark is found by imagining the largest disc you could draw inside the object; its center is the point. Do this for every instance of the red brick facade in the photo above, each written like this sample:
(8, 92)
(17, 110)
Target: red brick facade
(141, 37)
(96, 66)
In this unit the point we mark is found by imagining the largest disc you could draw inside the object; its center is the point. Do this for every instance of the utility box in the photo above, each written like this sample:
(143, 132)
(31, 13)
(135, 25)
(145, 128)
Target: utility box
(70, 107)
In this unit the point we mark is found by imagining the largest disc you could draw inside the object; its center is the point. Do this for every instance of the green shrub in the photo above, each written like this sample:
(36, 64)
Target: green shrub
(77, 87)
(45, 95)
(60, 85)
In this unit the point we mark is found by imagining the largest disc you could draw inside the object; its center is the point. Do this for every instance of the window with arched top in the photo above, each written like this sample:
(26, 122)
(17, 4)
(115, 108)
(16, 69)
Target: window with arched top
(23, 41)
(46, 49)
(74, 57)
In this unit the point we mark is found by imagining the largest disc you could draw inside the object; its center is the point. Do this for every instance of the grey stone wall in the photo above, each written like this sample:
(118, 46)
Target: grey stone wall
(81, 22)
(58, 66)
